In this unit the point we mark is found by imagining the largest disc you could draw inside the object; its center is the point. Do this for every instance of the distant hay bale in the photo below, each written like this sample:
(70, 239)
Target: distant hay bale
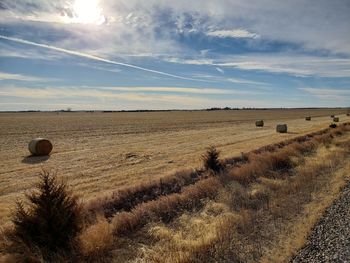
(333, 125)
(40, 146)
(308, 118)
(281, 128)
(259, 123)
(332, 116)
(336, 119)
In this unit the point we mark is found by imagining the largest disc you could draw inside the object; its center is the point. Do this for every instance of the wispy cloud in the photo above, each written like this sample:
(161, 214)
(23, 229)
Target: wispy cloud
(174, 90)
(296, 65)
(235, 33)
(117, 92)
(221, 79)
(316, 25)
(329, 93)
(245, 81)
(220, 70)
(108, 98)
(11, 51)
(244, 45)
(19, 77)
(92, 57)
(188, 90)
(194, 61)
(104, 94)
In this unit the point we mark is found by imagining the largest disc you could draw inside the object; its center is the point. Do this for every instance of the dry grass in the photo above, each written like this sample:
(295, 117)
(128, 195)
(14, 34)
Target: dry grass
(293, 236)
(96, 241)
(243, 221)
(167, 207)
(130, 216)
(255, 221)
(101, 152)
(237, 214)
(129, 198)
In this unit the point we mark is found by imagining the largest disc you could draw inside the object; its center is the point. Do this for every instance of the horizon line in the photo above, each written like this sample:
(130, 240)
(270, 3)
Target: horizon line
(162, 110)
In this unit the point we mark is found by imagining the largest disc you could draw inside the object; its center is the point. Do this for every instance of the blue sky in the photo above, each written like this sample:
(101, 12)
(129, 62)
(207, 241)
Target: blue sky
(133, 54)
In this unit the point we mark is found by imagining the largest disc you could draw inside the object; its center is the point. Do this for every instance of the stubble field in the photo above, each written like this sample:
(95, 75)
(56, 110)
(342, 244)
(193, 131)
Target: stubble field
(101, 152)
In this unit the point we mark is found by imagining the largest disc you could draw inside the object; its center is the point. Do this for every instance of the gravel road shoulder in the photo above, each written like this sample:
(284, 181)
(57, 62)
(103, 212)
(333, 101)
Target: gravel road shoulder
(330, 238)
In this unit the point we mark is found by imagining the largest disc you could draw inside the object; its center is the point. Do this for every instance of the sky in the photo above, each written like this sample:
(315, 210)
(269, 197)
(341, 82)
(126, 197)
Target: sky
(138, 55)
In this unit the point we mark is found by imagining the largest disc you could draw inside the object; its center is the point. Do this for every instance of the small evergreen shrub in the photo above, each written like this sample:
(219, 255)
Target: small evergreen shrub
(211, 160)
(52, 220)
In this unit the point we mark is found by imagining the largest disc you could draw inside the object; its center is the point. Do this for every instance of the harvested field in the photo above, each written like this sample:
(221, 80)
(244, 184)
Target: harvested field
(265, 218)
(257, 207)
(101, 152)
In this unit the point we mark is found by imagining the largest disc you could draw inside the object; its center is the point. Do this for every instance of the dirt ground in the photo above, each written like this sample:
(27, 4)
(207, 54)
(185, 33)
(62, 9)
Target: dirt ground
(101, 152)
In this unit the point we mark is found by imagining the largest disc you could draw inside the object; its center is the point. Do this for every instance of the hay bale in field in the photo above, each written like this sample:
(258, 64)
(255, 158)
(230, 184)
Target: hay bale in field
(333, 125)
(40, 146)
(259, 123)
(336, 119)
(281, 128)
(308, 118)
(332, 116)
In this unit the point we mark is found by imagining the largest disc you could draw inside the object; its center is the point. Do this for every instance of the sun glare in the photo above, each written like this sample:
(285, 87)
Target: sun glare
(88, 12)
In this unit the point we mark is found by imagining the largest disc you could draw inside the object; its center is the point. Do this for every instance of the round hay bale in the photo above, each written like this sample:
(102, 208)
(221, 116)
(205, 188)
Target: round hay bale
(281, 128)
(336, 119)
(332, 116)
(333, 125)
(40, 146)
(259, 123)
(308, 118)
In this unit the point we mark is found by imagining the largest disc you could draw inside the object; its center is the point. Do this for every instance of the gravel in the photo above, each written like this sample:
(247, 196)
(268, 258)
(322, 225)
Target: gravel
(330, 238)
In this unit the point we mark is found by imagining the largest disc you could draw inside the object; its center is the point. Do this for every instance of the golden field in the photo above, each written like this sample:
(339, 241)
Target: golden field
(101, 152)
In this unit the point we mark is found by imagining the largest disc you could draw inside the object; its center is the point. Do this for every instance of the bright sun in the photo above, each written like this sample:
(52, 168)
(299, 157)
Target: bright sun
(88, 12)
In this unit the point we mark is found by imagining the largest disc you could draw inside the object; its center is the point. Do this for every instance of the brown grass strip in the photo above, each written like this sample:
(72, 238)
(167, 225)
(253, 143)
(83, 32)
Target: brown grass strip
(251, 221)
(127, 199)
(166, 207)
(266, 164)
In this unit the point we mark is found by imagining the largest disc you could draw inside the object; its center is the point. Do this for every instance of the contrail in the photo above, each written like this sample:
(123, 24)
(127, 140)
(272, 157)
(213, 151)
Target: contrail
(92, 57)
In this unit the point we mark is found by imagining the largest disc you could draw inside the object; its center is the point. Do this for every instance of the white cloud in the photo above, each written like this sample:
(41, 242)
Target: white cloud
(128, 93)
(188, 90)
(245, 81)
(341, 95)
(10, 51)
(108, 98)
(174, 89)
(220, 70)
(241, 81)
(236, 33)
(92, 57)
(314, 24)
(297, 65)
(286, 63)
(20, 98)
(131, 105)
(199, 61)
(19, 77)
(99, 94)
